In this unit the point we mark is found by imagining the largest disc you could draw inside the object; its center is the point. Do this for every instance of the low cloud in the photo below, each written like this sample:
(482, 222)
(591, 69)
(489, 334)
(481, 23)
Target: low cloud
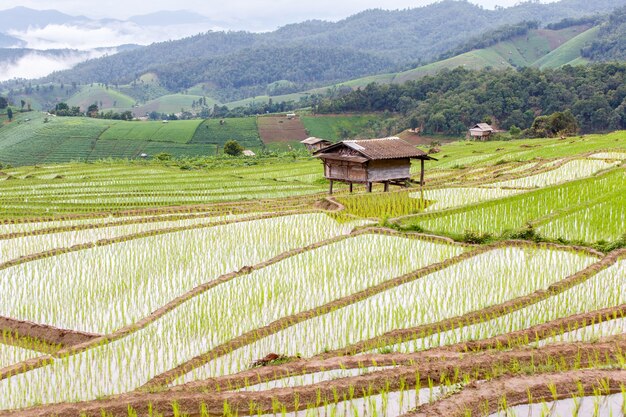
(84, 41)
(40, 64)
(109, 35)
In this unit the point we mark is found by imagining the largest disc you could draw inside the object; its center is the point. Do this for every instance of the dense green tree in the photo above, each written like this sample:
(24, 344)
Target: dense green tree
(92, 110)
(3, 103)
(9, 114)
(233, 148)
(557, 124)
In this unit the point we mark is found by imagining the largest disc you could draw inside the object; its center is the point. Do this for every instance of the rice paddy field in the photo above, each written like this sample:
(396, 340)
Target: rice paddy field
(137, 288)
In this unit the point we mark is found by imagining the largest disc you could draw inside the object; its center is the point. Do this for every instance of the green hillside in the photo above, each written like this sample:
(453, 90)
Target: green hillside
(265, 99)
(542, 48)
(569, 52)
(104, 97)
(556, 47)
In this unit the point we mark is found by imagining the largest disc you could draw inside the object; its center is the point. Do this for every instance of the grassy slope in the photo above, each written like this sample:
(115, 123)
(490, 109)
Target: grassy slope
(43, 95)
(569, 52)
(477, 59)
(110, 98)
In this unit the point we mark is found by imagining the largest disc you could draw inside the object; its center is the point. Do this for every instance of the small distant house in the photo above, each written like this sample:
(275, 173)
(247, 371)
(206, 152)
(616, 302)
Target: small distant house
(291, 116)
(481, 131)
(315, 144)
(248, 152)
(386, 160)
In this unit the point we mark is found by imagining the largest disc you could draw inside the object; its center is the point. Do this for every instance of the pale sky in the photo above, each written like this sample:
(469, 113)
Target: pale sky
(278, 12)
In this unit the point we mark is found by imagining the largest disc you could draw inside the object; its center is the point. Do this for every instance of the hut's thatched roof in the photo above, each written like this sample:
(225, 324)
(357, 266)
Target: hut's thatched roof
(375, 149)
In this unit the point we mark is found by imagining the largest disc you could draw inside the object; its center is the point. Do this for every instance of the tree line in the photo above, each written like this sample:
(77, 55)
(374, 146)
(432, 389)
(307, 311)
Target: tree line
(453, 100)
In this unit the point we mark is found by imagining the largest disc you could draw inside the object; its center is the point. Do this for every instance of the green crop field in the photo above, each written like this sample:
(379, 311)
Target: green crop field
(177, 131)
(237, 287)
(213, 131)
(28, 140)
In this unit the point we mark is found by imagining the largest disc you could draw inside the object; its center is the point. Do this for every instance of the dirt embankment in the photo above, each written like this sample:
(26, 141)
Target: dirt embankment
(475, 366)
(482, 399)
(48, 334)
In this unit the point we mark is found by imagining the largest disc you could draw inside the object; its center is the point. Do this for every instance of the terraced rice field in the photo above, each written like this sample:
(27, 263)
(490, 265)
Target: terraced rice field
(140, 289)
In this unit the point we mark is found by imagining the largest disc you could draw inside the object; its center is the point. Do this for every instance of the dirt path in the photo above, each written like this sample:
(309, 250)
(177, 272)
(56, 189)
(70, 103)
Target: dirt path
(49, 335)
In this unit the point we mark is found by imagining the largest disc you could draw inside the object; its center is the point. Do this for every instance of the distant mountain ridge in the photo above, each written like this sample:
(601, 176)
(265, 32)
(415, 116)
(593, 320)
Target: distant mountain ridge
(21, 18)
(400, 39)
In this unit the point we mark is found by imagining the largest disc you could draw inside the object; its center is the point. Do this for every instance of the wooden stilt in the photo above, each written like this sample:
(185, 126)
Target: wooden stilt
(369, 187)
(330, 190)
(350, 187)
(386, 186)
(422, 172)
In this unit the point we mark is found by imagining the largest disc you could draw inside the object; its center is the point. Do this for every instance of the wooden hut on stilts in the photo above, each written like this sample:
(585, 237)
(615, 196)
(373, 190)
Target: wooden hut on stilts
(386, 161)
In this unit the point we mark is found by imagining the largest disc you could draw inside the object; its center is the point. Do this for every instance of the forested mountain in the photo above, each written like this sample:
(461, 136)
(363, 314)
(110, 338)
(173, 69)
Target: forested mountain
(399, 39)
(451, 101)
(249, 71)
